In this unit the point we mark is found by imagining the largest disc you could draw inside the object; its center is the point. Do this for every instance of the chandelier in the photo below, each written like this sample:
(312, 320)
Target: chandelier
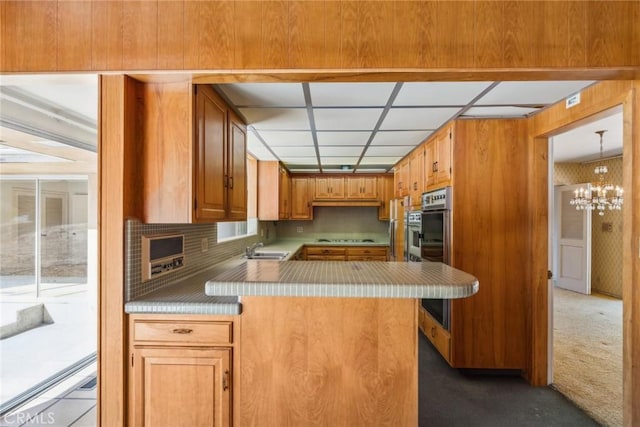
(601, 195)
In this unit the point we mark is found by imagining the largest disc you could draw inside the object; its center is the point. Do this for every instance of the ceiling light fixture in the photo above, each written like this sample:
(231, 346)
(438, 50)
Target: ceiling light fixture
(345, 167)
(594, 197)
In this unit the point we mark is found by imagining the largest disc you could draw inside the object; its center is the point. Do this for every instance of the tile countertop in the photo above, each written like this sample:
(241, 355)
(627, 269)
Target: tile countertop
(187, 296)
(371, 279)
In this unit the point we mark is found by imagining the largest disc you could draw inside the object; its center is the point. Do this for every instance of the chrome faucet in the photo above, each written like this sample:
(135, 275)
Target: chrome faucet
(251, 250)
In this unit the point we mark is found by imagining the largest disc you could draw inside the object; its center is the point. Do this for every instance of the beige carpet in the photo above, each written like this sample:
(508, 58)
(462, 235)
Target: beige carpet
(587, 353)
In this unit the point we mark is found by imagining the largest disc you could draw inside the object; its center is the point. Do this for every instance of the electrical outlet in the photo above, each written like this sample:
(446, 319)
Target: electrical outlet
(204, 244)
(299, 229)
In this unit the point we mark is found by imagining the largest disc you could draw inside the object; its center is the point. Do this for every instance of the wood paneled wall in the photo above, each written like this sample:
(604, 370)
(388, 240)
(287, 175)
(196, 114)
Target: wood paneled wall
(96, 35)
(490, 241)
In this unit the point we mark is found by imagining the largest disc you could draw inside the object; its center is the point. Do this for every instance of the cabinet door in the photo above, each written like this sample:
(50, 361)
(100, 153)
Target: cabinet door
(404, 184)
(285, 195)
(385, 194)
(417, 179)
(301, 191)
(330, 188)
(444, 158)
(369, 187)
(211, 177)
(181, 387)
(430, 156)
(237, 174)
(354, 187)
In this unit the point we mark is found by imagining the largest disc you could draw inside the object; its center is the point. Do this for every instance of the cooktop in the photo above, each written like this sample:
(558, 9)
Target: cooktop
(345, 240)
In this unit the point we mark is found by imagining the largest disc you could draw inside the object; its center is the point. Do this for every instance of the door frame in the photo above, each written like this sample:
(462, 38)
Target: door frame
(596, 101)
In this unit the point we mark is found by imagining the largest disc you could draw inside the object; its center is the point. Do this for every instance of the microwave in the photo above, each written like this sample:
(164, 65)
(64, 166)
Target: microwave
(161, 254)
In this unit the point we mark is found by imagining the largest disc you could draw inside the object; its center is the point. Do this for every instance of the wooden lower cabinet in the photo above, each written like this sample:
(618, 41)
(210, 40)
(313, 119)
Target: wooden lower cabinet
(181, 387)
(325, 253)
(439, 337)
(180, 372)
(367, 253)
(346, 253)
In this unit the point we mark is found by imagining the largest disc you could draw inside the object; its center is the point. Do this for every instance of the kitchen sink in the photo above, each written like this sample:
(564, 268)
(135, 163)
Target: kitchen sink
(269, 255)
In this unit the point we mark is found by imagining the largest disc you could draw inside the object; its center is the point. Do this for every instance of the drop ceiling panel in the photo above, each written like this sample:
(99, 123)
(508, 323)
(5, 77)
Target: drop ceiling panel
(536, 93)
(335, 151)
(343, 138)
(300, 160)
(264, 94)
(260, 151)
(499, 112)
(381, 160)
(277, 118)
(339, 160)
(285, 139)
(349, 94)
(346, 118)
(417, 118)
(385, 150)
(439, 93)
(302, 151)
(405, 137)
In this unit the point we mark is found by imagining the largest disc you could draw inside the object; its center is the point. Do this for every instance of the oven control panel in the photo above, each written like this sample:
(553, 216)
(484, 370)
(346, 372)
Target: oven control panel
(437, 200)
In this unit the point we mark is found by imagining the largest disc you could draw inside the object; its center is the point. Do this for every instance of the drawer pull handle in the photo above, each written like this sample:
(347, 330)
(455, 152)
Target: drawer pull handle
(433, 331)
(225, 381)
(182, 331)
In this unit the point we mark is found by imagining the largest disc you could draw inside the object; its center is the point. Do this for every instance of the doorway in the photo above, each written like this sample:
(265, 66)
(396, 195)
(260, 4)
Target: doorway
(586, 316)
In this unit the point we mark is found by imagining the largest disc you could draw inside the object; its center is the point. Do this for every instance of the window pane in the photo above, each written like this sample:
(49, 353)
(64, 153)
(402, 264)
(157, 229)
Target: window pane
(18, 238)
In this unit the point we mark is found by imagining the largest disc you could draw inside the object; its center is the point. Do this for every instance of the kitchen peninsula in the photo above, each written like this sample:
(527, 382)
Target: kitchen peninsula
(331, 343)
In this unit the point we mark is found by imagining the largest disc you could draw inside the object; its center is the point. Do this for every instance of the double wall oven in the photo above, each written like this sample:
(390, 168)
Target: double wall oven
(435, 243)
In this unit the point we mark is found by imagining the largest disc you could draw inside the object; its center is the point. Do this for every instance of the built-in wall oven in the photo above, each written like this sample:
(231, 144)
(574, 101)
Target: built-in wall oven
(414, 236)
(436, 243)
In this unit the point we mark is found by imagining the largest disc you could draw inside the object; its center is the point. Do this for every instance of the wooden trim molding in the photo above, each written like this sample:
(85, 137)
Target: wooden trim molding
(117, 201)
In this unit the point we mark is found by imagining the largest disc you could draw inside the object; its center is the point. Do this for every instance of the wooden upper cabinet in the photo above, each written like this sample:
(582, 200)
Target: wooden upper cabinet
(403, 180)
(220, 159)
(385, 194)
(362, 187)
(193, 155)
(302, 190)
(430, 155)
(437, 162)
(237, 169)
(416, 164)
(444, 165)
(210, 157)
(273, 191)
(284, 194)
(329, 187)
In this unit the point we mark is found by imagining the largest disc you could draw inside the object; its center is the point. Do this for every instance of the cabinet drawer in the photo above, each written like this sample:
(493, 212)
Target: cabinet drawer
(439, 337)
(366, 258)
(325, 251)
(367, 251)
(325, 258)
(191, 333)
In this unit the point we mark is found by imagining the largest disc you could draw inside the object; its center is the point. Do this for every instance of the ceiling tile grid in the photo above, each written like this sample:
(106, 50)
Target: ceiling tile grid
(364, 127)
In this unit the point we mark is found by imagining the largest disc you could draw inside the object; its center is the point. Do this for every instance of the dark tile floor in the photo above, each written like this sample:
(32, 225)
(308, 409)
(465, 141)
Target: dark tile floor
(449, 398)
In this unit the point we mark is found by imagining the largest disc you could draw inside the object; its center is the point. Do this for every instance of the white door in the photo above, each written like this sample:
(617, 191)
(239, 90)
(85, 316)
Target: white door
(573, 242)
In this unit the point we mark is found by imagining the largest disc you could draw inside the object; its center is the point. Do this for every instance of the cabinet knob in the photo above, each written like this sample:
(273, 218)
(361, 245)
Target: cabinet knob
(182, 331)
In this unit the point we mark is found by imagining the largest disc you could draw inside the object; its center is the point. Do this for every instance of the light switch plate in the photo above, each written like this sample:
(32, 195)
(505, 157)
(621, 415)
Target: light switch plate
(204, 244)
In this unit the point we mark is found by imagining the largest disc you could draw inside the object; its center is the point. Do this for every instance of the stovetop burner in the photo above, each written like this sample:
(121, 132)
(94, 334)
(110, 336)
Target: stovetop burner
(345, 240)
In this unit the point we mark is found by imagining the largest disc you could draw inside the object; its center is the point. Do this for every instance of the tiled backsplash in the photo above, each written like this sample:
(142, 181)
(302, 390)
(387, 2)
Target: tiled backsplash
(337, 223)
(195, 259)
